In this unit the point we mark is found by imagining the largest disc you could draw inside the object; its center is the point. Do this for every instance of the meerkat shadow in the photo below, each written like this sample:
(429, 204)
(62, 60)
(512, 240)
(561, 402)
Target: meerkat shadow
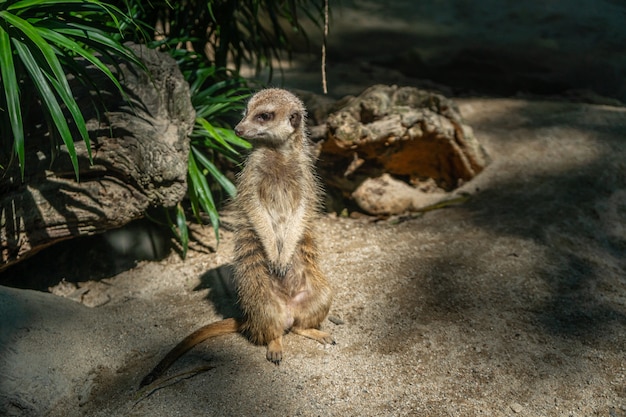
(223, 293)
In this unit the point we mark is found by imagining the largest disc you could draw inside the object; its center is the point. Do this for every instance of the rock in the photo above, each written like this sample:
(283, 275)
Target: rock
(53, 373)
(516, 408)
(139, 161)
(385, 195)
(406, 132)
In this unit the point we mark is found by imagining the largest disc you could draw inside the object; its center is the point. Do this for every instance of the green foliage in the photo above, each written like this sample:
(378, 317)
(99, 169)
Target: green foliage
(39, 42)
(216, 95)
(231, 32)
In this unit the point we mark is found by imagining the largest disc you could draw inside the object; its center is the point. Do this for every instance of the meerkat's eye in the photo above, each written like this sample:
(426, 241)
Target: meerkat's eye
(265, 117)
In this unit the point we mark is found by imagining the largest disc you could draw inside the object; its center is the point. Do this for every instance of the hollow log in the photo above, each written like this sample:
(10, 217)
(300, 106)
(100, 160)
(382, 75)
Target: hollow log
(414, 135)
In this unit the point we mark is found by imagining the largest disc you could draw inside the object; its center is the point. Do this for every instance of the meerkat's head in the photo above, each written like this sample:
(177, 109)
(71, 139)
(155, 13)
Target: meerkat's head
(273, 116)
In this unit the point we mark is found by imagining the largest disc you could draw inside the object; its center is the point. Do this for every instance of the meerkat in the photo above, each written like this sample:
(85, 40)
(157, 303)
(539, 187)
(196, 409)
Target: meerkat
(280, 286)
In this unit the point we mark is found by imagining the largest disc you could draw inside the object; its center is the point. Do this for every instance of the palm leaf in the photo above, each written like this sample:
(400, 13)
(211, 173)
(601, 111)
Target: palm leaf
(58, 80)
(224, 182)
(27, 4)
(200, 194)
(214, 134)
(11, 90)
(230, 137)
(56, 32)
(47, 95)
(70, 44)
(100, 42)
(181, 227)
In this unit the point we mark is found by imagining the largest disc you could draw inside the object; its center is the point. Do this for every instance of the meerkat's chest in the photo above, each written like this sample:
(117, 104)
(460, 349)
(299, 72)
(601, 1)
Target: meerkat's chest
(280, 186)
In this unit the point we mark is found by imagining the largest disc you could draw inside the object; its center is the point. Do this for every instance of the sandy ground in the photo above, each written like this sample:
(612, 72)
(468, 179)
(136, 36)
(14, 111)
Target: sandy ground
(513, 303)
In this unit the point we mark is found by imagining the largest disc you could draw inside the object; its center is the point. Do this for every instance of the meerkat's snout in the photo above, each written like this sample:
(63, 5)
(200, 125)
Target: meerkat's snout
(239, 131)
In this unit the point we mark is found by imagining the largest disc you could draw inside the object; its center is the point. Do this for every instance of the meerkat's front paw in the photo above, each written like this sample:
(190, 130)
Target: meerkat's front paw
(282, 263)
(279, 269)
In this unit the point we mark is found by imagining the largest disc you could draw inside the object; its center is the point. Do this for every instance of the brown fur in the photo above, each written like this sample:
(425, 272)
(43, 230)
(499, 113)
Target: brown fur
(280, 287)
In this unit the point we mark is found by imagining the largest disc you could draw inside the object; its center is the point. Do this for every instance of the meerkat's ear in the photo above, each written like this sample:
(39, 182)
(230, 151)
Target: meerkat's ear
(295, 119)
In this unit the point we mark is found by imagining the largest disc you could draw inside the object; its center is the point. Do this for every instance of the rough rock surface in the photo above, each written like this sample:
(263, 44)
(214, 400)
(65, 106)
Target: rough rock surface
(406, 132)
(139, 160)
(385, 195)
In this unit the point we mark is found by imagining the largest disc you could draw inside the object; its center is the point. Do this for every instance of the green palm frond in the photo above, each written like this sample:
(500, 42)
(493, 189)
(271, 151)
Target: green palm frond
(12, 95)
(39, 41)
(215, 102)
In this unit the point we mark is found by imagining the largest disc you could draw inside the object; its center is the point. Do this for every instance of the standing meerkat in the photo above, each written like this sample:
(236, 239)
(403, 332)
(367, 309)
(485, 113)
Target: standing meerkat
(280, 286)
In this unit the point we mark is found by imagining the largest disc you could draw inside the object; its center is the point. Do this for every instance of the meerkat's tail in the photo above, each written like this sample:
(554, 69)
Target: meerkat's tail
(218, 328)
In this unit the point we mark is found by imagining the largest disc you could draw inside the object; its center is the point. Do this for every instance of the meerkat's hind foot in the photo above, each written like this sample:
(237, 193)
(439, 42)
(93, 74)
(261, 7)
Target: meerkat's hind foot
(315, 334)
(274, 352)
